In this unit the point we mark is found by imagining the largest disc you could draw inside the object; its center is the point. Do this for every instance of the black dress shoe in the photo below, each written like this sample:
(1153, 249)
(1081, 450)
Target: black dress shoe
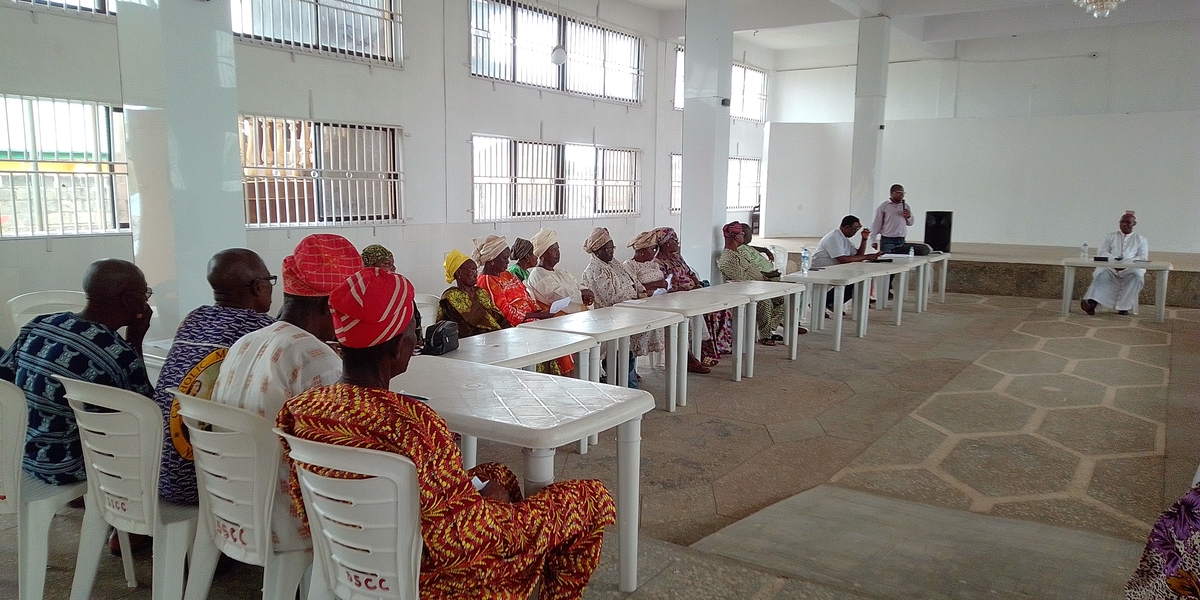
(1088, 306)
(1122, 312)
(777, 337)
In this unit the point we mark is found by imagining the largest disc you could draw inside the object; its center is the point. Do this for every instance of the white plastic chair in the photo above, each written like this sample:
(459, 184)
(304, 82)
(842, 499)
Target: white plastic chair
(427, 305)
(366, 532)
(237, 457)
(27, 306)
(122, 450)
(33, 500)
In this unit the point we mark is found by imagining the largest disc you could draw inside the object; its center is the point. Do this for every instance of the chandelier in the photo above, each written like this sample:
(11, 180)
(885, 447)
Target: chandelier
(1098, 8)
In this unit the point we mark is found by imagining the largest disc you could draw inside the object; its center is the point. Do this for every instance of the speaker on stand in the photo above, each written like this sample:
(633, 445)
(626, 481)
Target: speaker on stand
(937, 229)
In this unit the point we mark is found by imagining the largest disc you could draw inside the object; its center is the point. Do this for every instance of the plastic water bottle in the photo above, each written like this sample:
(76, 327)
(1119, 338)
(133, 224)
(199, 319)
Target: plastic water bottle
(1083, 251)
(911, 252)
(805, 262)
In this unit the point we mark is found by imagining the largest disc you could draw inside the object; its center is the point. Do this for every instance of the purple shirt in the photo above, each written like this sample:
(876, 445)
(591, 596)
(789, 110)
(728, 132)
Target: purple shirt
(889, 220)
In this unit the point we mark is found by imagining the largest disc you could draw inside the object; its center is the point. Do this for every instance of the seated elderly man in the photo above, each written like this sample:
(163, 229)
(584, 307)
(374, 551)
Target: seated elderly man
(83, 346)
(479, 543)
(756, 255)
(1118, 288)
(836, 248)
(266, 367)
(736, 267)
(241, 287)
(547, 283)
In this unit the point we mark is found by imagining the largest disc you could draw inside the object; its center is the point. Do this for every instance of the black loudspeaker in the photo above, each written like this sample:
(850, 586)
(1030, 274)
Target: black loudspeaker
(937, 229)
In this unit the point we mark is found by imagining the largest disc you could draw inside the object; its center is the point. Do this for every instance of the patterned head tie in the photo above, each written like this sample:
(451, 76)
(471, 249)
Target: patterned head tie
(488, 247)
(642, 241)
(663, 235)
(597, 240)
(319, 264)
(371, 307)
(375, 255)
(731, 229)
(521, 248)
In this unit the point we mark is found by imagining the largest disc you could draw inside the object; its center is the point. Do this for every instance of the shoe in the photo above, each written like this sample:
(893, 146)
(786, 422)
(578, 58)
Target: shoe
(709, 362)
(801, 331)
(767, 342)
(777, 337)
(1088, 306)
(695, 367)
(1122, 312)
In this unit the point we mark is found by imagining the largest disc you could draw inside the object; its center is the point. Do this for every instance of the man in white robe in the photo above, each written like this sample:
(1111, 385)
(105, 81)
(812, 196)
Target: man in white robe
(1118, 287)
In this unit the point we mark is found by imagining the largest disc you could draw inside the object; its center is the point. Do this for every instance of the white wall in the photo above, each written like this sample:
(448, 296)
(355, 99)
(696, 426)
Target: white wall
(432, 98)
(1029, 140)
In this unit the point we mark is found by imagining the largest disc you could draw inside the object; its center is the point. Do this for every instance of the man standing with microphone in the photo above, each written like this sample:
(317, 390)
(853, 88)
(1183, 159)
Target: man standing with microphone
(891, 223)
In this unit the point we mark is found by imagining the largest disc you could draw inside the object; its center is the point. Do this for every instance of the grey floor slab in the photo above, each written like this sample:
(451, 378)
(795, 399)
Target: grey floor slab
(887, 548)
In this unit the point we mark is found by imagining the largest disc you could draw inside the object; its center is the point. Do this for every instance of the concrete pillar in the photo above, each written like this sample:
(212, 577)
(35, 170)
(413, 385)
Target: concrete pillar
(179, 91)
(870, 94)
(708, 61)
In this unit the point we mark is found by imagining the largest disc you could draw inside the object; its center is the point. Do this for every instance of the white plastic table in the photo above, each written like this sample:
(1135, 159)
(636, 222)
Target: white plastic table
(524, 348)
(1163, 269)
(935, 257)
(838, 276)
(765, 290)
(540, 412)
(612, 326)
(693, 305)
(901, 264)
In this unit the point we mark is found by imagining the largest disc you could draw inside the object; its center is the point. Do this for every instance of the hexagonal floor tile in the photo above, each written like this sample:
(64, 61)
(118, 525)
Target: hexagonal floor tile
(1133, 336)
(1133, 486)
(1099, 430)
(1056, 390)
(1082, 348)
(974, 412)
(1149, 402)
(1187, 314)
(1023, 362)
(1115, 371)
(1011, 302)
(1012, 465)
(1052, 329)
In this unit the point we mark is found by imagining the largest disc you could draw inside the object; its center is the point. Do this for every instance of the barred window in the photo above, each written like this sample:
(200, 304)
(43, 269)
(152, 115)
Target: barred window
(297, 173)
(513, 42)
(63, 169)
(516, 179)
(360, 29)
(743, 184)
(95, 7)
(748, 90)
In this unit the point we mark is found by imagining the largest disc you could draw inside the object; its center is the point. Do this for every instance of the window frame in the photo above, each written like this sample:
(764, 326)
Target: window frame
(675, 204)
(105, 168)
(311, 196)
(760, 98)
(570, 194)
(391, 20)
(511, 71)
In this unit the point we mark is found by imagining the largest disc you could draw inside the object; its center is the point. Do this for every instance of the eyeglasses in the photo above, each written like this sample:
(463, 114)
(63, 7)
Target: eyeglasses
(270, 279)
(149, 292)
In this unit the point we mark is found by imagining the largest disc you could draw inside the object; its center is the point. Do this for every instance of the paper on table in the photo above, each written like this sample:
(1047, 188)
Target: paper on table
(559, 305)
(659, 292)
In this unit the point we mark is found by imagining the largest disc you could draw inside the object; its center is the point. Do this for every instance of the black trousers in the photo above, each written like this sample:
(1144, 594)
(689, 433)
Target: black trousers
(829, 296)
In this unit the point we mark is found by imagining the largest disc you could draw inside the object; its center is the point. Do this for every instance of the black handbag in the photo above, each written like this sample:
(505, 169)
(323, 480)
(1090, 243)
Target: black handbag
(440, 338)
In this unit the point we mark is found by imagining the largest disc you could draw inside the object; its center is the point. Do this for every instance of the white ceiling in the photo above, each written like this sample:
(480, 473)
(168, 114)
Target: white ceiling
(801, 24)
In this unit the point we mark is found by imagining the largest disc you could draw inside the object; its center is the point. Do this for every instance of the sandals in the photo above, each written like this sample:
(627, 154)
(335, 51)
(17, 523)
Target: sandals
(709, 362)
(767, 342)
(697, 367)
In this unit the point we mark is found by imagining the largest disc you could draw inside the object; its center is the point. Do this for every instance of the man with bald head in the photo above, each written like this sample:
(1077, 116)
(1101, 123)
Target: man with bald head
(83, 346)
(241, 286)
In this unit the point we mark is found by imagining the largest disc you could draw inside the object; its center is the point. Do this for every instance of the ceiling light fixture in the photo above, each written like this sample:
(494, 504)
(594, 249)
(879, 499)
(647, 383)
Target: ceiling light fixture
(558, 54)
(1098, 8)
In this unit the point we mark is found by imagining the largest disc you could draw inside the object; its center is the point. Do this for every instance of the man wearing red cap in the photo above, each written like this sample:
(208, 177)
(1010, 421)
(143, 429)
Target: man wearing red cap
(268, 366)
(485, 543)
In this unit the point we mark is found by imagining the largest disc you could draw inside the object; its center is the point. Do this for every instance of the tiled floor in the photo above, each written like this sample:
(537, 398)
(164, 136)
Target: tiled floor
(985, 405)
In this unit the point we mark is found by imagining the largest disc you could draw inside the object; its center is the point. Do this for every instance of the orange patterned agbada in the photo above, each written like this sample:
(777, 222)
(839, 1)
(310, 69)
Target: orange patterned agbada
(474, 547)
